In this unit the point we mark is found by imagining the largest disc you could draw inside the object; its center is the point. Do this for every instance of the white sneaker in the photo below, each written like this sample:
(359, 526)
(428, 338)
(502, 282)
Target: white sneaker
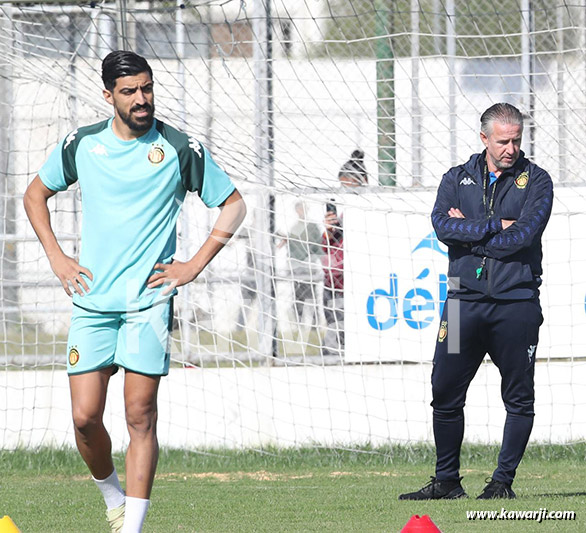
(116, 518)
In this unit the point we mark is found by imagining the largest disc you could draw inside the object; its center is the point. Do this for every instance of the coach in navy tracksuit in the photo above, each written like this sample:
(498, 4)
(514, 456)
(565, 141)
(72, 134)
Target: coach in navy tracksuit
(491, 212)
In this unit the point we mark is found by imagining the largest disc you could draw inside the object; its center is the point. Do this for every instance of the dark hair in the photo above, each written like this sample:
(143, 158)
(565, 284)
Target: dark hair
(503, 113)
(122, 63)
(354, 168)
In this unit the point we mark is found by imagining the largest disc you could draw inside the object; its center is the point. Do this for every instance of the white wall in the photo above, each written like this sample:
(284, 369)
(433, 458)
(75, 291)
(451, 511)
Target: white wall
(302, 406)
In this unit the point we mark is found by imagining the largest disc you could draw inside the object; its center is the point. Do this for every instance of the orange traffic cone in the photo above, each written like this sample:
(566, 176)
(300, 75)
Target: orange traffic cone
(420, 524)
(8, 526)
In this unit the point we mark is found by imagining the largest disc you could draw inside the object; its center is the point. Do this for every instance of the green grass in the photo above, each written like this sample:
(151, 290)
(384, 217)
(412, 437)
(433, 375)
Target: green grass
(308, 490)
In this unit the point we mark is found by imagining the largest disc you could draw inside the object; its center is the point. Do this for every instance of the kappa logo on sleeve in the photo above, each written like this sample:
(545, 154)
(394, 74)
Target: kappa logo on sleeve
(195, 146)
(69, 139)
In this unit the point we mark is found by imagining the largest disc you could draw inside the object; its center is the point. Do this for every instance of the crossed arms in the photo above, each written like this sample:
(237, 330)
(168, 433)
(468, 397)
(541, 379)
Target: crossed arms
(492, 236)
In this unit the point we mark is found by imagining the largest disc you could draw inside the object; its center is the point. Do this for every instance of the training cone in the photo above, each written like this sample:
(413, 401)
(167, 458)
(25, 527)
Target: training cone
(8, 526)
(420, 524)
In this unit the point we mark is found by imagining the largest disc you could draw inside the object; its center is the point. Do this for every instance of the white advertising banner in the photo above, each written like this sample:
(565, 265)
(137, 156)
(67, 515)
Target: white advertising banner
(396, 278)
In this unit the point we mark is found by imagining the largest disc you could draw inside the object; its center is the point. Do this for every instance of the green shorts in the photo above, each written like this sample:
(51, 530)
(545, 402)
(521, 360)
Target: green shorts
(138, 341)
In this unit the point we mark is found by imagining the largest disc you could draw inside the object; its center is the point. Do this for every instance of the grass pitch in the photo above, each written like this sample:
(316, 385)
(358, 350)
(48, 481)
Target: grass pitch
(279, 491)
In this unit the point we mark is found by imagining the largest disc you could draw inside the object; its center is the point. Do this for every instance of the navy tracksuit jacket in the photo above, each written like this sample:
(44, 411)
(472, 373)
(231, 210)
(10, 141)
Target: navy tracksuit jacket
(513, 256)
(497, 295)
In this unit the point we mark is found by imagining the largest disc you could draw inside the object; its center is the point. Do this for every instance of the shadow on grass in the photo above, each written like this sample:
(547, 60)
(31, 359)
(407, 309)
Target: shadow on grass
(559, 494)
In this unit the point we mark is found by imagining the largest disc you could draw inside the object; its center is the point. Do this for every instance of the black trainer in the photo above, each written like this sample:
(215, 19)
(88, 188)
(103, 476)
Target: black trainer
(438, 490)
(497, 490)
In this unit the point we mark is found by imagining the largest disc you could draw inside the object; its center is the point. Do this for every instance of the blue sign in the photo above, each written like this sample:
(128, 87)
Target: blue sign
(415, 302)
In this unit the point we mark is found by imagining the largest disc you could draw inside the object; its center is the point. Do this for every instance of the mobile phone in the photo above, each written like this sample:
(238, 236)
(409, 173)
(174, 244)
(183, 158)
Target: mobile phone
(331, 207)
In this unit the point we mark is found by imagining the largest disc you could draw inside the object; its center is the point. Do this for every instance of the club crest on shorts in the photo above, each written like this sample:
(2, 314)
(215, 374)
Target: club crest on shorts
(522, 180)
(443, 331)
(73, 356)
(156, 154)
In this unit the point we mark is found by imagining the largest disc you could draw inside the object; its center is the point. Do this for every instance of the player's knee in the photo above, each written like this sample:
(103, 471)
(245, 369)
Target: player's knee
(86, 421)
(141, 419)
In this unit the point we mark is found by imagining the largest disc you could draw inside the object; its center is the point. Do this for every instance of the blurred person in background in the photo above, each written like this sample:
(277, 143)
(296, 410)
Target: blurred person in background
(352, 174)
(304, 246)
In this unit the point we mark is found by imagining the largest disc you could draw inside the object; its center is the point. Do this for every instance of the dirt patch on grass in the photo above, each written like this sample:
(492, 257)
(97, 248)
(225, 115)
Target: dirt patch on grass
(263, 475)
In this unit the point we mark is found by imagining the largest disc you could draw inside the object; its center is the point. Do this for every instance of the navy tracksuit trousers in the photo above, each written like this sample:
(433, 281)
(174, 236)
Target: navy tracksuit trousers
(506, 330)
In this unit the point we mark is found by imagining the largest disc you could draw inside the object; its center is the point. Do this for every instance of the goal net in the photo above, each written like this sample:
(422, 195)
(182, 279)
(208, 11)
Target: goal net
(288, 339)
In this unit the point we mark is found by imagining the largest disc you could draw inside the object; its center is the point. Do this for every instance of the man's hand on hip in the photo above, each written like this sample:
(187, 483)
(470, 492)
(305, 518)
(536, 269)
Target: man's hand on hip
(69, 272)
(175, 274)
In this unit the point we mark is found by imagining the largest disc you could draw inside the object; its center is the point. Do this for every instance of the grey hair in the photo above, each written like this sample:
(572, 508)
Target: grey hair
(501, 112)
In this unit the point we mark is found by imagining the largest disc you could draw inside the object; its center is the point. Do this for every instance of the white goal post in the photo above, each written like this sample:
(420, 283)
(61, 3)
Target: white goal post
(282, 93)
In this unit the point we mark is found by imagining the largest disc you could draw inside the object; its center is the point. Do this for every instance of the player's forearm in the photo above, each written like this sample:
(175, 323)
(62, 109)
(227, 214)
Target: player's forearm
(38, 214)
(205, 254)
(231, 216)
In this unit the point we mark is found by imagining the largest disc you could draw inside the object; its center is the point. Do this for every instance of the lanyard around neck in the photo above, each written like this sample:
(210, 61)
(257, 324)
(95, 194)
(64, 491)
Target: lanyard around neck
(487, 187)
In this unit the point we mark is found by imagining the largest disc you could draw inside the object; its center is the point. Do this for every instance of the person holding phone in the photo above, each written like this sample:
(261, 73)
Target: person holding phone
(352, 174)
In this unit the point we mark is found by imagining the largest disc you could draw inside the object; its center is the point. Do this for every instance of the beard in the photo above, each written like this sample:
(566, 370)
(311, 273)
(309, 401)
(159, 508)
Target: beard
(504, 165)
(138, 124)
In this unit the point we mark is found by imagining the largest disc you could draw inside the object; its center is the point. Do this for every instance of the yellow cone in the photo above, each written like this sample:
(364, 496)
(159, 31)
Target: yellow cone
(8, 526)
